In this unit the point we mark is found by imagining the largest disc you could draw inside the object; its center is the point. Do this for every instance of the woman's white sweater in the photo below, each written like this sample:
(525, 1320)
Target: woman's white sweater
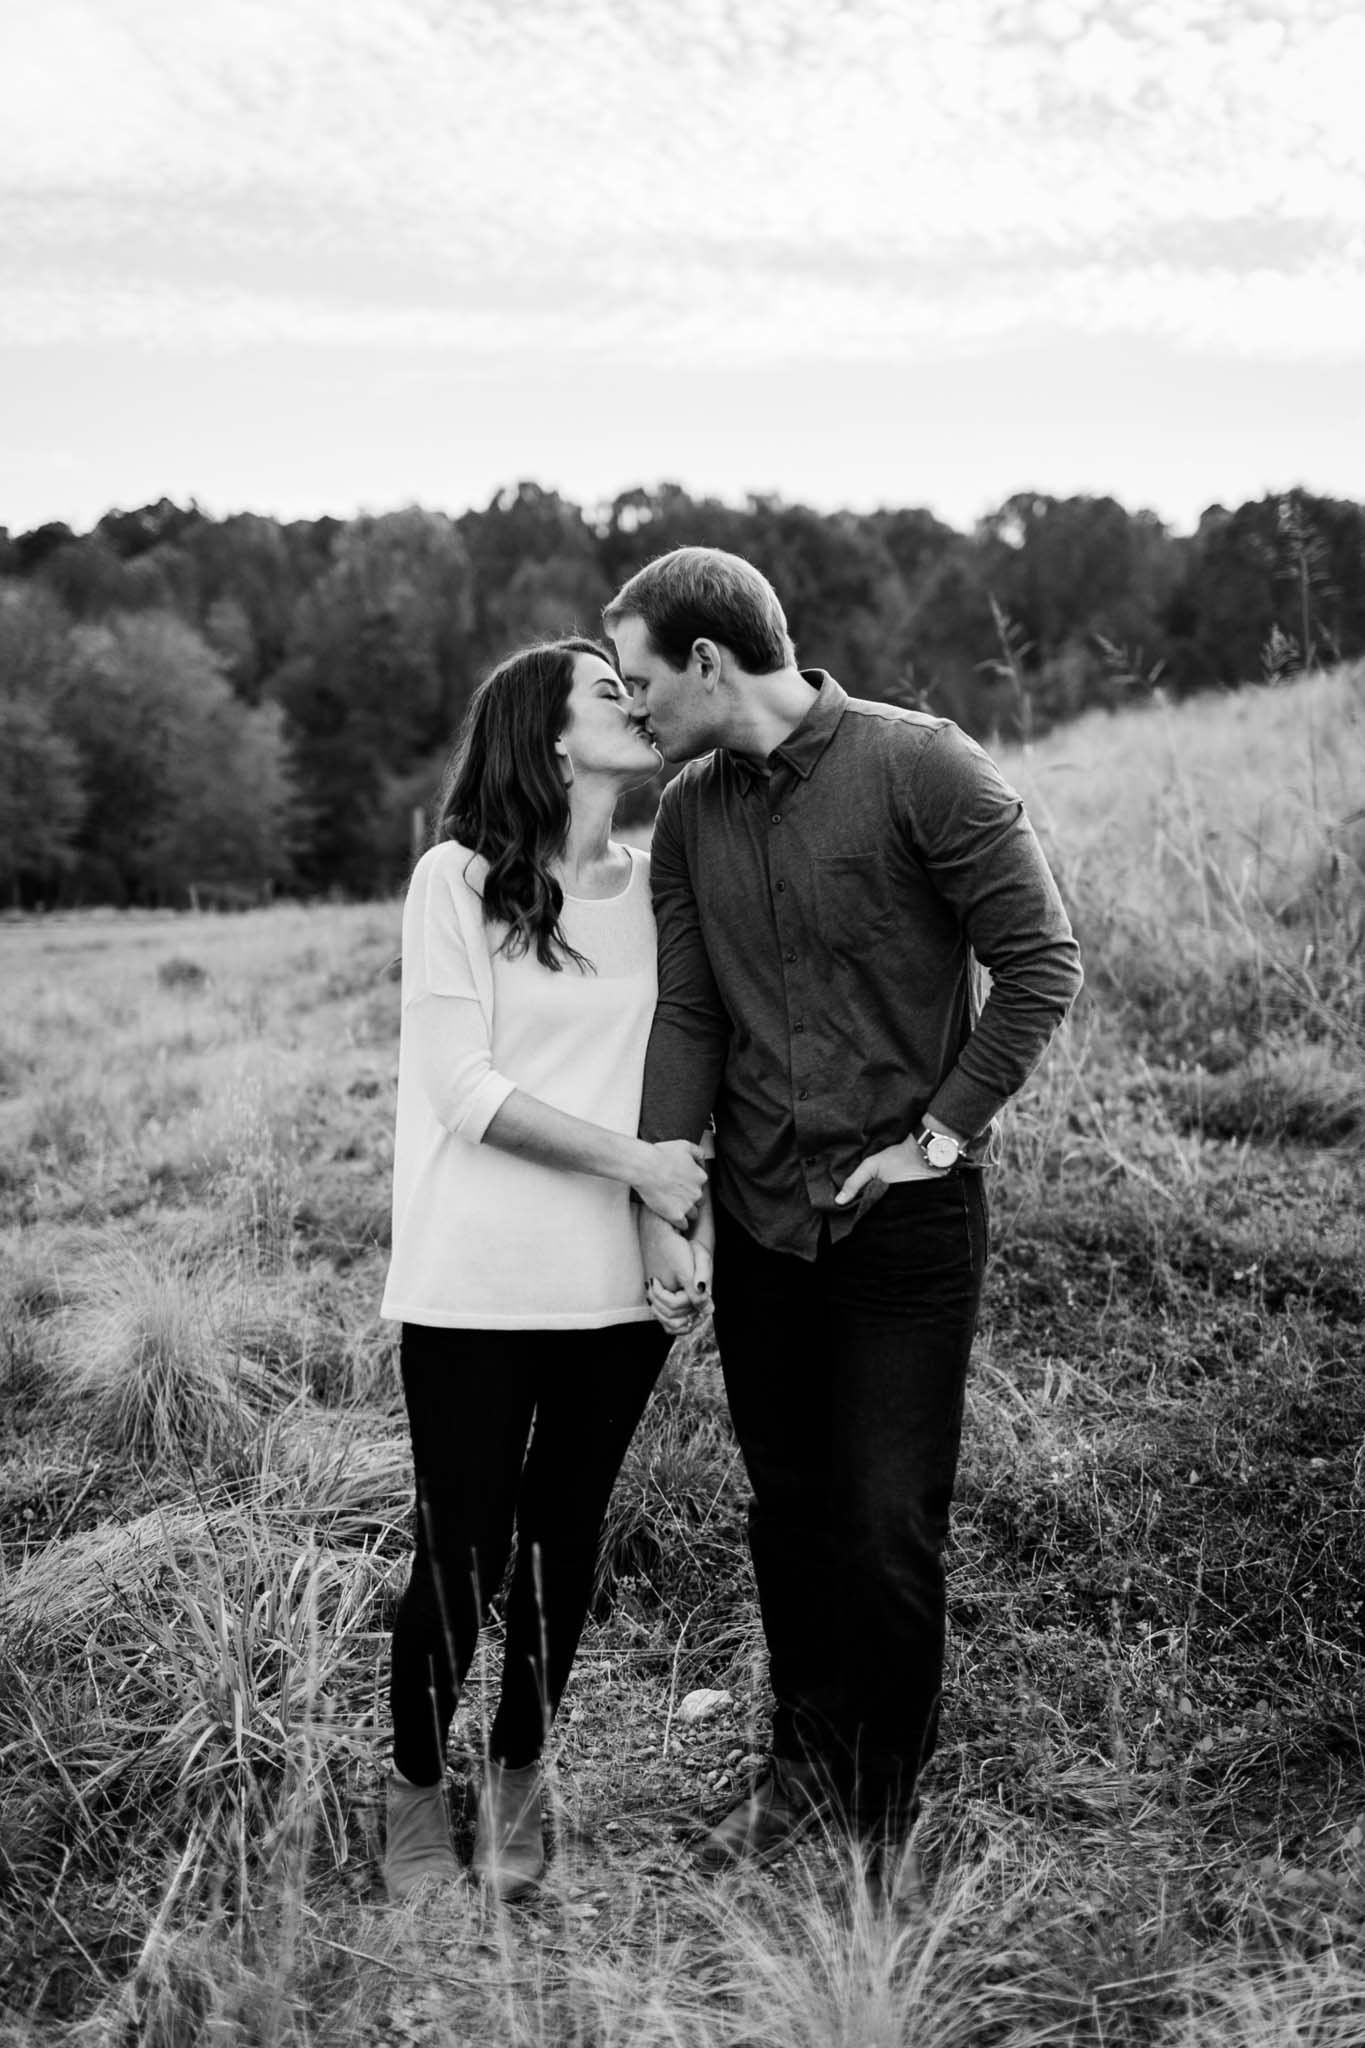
(483, 1239)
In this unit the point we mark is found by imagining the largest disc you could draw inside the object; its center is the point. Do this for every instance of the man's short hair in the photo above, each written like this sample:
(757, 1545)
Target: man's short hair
(705, 594)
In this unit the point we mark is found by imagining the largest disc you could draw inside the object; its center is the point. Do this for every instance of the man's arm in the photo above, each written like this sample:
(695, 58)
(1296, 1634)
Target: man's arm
(969, 829)
(688, 1042)
(984, 858)
(690, 1035)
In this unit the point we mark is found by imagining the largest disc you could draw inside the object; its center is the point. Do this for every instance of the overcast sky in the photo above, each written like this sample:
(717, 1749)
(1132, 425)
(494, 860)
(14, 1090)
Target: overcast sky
(316, 255)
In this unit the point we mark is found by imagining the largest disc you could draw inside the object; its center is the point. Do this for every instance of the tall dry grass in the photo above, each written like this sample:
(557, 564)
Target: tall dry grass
(1214, 856)
(1145, 1822)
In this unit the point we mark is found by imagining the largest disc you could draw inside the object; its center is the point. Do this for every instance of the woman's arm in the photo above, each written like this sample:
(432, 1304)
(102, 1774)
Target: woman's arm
(669, 1178)
(447, 1040)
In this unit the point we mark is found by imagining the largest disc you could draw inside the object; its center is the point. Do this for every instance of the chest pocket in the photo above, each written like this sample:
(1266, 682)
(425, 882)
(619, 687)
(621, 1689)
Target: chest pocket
(854, 897)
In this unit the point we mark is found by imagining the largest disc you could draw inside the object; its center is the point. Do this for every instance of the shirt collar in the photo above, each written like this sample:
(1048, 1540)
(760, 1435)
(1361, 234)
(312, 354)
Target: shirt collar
(806, 742)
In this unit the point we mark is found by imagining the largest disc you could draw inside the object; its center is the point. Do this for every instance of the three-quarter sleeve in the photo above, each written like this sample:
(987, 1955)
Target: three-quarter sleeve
(448, 996)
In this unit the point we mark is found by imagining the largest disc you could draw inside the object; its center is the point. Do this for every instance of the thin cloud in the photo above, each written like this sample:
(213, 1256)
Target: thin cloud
(707, 185)
(772, 317)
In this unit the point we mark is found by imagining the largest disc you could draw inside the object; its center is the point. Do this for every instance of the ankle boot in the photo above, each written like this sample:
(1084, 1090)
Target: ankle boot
(509, 1842)
(417, 1841)
(787, 1803)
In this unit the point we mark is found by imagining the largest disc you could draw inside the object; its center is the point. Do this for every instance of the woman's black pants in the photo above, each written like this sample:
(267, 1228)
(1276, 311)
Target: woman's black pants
(521, 1429)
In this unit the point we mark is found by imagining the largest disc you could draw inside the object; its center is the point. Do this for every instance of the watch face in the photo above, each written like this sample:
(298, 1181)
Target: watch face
(941, 1151)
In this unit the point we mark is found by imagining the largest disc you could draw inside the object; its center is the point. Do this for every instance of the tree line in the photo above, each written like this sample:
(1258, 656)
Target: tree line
(206, 709)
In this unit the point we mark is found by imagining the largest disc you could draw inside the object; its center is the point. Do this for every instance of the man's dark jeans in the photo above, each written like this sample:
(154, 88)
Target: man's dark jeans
(846, 1377)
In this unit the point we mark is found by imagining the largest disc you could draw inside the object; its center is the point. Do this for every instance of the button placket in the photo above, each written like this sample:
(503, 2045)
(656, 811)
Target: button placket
(790, 959)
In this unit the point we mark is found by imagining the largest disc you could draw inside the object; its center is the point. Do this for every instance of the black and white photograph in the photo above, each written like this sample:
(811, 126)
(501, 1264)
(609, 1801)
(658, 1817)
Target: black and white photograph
(682, 1024)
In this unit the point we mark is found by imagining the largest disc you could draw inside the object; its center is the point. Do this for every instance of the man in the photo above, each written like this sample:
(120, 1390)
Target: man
(824, 870)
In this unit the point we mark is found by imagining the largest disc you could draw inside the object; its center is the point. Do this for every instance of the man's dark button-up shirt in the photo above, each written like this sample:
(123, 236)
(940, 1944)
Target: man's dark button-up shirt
(818, 914)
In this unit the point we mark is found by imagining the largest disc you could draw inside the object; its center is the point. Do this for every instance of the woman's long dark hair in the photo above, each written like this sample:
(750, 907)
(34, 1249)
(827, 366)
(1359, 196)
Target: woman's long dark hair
(504, 795)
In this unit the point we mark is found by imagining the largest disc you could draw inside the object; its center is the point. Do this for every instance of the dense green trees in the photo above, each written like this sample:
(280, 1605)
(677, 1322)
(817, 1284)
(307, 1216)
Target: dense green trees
(42, 791)
(131, 769)
(1274, 584)
(377, 668)
(42, 800)
(246, 703)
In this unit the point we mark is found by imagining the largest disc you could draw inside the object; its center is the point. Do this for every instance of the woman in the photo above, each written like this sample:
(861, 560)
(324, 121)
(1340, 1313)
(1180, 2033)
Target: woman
(528, 987)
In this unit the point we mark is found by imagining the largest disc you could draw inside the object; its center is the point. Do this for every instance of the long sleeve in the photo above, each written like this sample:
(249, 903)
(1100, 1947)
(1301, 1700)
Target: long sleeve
(985, 860)
(691, 1031)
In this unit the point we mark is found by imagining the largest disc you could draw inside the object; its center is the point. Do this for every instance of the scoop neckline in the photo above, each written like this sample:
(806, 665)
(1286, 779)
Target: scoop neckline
(630, 883)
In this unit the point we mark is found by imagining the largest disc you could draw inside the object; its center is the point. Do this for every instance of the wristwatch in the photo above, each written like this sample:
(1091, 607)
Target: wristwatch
(939, 1150)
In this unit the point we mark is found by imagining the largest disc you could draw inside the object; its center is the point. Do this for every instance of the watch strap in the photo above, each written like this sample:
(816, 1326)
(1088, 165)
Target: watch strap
(950, 1150)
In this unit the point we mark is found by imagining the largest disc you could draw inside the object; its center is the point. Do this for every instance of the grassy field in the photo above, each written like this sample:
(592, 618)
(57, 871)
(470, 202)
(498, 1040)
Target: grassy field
(1146, 1822)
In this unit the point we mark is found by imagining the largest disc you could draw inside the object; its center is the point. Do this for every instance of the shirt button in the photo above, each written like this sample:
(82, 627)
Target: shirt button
(777, 817)
(789, 954)
(798, 1027)
(780, 886)
(803, 1095)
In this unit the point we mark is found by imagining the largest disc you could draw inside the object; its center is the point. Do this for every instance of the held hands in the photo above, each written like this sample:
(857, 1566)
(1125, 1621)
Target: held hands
(678, 1273)
(671, 1180)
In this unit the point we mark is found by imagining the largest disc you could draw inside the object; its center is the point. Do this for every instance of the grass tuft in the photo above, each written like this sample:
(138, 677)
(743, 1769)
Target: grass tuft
(167, 1357)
